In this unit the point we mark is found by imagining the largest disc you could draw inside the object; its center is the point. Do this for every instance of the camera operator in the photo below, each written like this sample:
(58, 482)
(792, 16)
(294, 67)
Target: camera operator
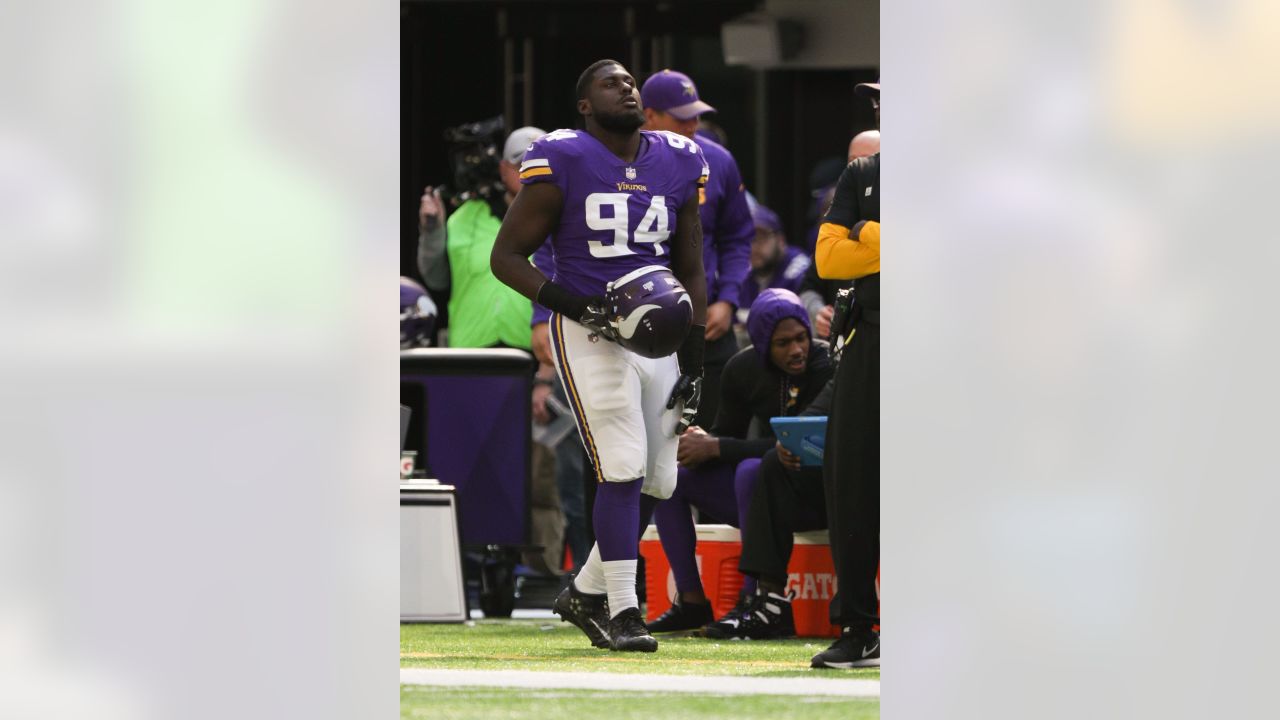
(484, 312)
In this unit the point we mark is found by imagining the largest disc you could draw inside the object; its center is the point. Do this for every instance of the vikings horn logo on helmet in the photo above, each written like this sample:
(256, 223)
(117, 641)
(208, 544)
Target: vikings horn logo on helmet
(627, 326)
(417, 315)
(651, 311)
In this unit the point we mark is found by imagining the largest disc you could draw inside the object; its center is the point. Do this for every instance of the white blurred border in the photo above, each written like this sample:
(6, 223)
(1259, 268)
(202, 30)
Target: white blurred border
(1079, 382)
(199, 207)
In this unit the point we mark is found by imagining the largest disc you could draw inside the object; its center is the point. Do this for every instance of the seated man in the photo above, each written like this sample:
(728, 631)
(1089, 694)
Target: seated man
(787, 499)
(774, 263)
(778, 374)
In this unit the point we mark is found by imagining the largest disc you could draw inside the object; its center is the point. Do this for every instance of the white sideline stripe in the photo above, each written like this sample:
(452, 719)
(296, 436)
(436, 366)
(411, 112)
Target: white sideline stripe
(702, 684)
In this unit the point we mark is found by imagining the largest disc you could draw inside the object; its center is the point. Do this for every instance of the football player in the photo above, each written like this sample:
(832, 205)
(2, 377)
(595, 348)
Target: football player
(617, 202)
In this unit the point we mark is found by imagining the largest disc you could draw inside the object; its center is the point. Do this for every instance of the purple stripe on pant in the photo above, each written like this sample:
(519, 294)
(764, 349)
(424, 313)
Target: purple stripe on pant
(722, 490)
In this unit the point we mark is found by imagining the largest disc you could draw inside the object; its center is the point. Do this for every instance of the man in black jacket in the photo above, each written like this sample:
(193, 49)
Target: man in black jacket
(788, 498)
(849, 249)
(778, 375)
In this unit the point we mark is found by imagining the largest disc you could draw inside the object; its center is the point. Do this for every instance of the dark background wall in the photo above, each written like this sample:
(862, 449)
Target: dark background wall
(467, 61)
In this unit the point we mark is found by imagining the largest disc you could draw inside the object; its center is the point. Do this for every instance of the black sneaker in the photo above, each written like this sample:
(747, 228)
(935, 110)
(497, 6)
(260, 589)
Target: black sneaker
(767, 616)
(627, 632)
(682, 616)
(589, 612)
(723, 624)
(854, 649)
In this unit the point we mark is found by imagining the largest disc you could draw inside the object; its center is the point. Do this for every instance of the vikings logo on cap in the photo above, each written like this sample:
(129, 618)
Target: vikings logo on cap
(673, 92)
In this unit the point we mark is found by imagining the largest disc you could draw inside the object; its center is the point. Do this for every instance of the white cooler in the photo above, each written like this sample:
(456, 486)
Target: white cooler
(431, 585)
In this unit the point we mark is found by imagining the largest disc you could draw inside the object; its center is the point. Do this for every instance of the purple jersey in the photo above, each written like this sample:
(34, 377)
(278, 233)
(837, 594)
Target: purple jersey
(617, 216)
(727, 228)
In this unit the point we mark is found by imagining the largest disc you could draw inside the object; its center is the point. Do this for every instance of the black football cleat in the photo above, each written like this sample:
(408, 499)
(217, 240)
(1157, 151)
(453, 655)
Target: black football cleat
(589, 612)
(853, 650)
(682, 616)
(628, 633)
(766, 616)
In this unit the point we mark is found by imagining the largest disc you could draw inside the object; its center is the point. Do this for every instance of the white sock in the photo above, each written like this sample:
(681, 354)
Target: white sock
(620, 577)
(590, 578)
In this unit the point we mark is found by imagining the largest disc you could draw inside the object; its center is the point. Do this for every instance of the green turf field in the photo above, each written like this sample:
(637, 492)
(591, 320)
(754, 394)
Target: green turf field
(491, 703)
(553, 645)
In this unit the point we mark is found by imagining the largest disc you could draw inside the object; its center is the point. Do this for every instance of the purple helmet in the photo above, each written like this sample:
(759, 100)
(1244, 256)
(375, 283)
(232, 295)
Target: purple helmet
(417, 315)
(651, 311)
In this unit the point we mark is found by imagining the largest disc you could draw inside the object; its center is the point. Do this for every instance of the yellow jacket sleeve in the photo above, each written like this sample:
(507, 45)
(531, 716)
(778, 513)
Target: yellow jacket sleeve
(845, 255)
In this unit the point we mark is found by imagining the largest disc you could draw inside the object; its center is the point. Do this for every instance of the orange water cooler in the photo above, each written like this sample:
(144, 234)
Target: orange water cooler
(809, 574)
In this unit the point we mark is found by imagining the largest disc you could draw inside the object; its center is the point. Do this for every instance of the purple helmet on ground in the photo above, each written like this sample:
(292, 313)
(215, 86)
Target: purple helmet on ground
(651, 311)
(417, 315)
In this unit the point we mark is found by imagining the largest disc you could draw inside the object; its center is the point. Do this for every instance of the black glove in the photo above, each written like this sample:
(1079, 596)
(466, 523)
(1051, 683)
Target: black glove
(594, 319)
(588, 311)
(688, 388)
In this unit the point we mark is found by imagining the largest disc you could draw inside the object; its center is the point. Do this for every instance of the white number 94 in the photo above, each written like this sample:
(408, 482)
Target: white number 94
(653, 226)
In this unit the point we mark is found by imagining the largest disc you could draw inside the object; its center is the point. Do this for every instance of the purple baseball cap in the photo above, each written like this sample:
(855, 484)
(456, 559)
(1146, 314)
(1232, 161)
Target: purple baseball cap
(673, 92)
(763, 217)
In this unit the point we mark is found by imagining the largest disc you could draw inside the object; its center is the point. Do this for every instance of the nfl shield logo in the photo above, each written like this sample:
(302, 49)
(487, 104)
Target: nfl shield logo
(631, 173)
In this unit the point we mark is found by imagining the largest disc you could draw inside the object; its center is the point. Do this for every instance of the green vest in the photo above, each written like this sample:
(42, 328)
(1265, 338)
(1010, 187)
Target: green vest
(482, 310)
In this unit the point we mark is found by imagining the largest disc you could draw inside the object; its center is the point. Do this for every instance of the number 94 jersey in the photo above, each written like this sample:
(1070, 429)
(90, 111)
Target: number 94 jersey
(617, 216)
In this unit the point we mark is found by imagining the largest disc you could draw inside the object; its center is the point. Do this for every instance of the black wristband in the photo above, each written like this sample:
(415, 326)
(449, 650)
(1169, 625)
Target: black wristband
(556, 299)
(690, 353)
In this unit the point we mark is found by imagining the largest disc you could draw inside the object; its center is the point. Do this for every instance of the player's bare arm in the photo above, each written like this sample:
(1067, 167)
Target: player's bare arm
(686, 265)
(531, 218)
(533, 215)
(686, 258)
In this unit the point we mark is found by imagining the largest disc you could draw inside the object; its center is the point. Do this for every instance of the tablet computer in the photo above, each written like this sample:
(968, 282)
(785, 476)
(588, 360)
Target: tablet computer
(803, 436)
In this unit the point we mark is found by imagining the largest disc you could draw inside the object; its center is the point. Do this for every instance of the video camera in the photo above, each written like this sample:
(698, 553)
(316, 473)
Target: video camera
(473, 156)
(842, 321)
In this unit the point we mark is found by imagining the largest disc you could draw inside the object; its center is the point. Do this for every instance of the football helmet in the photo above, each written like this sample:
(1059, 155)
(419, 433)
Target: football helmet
(417, 315)
(650, 310)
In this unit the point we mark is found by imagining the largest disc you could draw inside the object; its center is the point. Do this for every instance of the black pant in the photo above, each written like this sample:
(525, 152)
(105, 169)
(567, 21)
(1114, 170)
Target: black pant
(784, 502)
(851, 474)
(715, 356)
